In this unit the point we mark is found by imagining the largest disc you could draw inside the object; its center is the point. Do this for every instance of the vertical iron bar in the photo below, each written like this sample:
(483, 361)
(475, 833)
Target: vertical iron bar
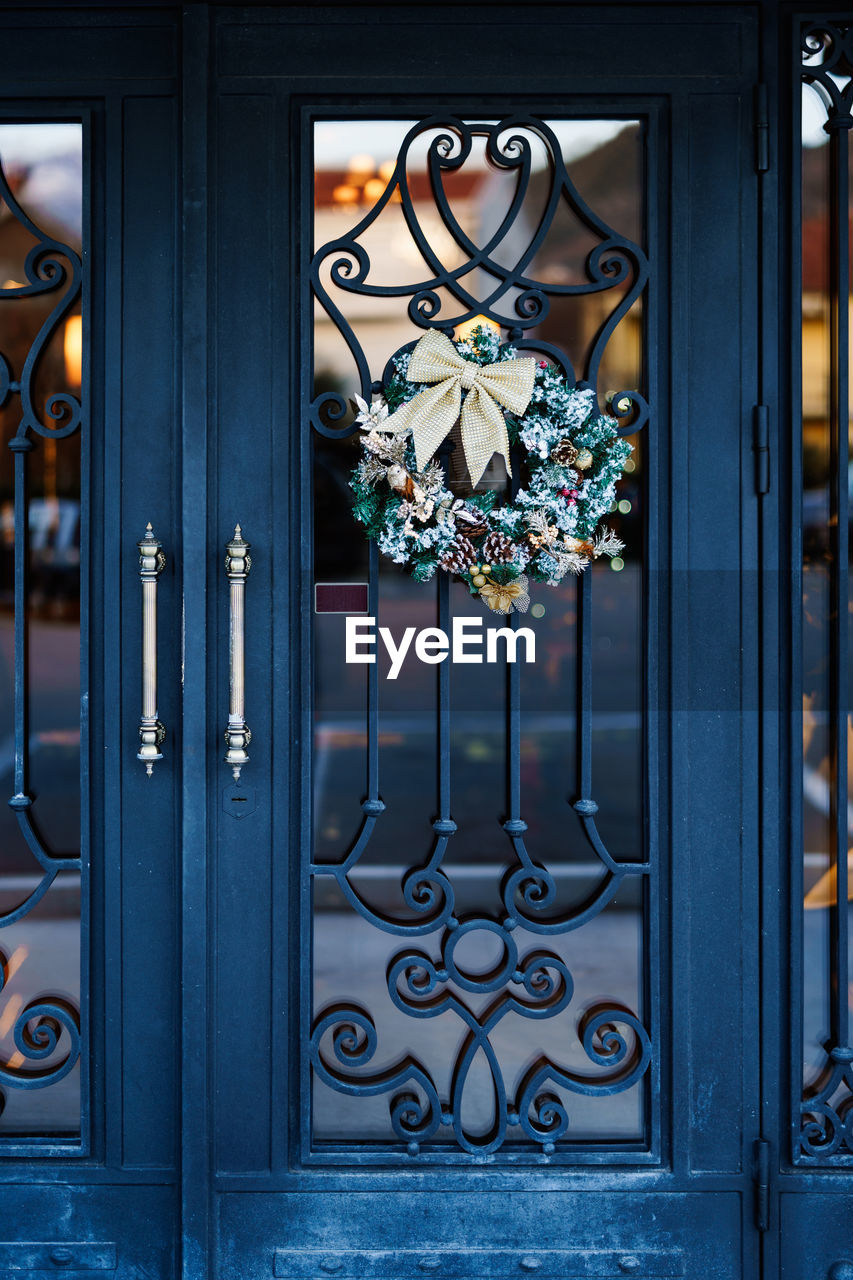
(513, 697)
(795, 666)
(443, 677)
(373, 679)
(839, 341)
(20, 446)
(513, 726)
(583, 659)
(840, 391)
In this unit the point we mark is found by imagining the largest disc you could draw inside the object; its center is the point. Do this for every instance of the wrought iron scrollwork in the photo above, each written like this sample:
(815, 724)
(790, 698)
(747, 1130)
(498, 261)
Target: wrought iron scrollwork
(43, 1026)
(446, 297)
(51, 268)
(418, 986)
(344, 1040)
(826, 50)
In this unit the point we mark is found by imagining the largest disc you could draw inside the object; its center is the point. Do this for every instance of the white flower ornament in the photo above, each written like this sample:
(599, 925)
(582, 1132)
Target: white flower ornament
(370, 416)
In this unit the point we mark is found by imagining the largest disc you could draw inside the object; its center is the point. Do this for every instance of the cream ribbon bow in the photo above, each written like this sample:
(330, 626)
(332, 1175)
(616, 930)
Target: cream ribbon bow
(433, 411)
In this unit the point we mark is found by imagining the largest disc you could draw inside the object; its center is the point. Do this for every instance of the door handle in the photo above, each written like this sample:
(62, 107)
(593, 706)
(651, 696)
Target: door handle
(238, 562)
(152, 562)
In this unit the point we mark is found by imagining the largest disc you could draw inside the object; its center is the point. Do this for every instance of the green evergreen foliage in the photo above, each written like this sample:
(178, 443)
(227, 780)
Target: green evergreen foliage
(553, 521)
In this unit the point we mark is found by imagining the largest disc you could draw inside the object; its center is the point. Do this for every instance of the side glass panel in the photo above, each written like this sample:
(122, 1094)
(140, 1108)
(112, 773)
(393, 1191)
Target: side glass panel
(41, 372)
(824, 1129)
(481, 933)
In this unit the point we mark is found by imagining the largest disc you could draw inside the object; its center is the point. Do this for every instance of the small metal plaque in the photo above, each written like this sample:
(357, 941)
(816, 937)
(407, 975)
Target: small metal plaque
(340, 597)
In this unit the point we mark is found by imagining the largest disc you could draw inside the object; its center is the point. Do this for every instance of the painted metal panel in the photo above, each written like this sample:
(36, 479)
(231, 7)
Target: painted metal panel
(248, 456)
(573, 1235)
(716, 899)
(149, 493)
(388, 42)
(815, 1233)
(386, 1264)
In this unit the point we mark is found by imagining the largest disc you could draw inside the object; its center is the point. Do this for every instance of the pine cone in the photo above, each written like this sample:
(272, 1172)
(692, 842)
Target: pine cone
(563, 453)
(497, 549)
(473, 529)
(458, 556)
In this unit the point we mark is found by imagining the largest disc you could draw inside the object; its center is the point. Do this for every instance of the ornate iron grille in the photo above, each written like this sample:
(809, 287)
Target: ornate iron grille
(824, 1132)
(46, 1031)
(344, 1045)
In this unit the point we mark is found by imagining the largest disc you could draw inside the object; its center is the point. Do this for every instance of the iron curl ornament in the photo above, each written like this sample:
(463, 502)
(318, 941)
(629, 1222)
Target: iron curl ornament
(514, 299)
(44, 1028)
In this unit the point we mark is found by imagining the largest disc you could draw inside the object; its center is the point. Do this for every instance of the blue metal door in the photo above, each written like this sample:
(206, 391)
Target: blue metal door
(485, 938)
(475, 968)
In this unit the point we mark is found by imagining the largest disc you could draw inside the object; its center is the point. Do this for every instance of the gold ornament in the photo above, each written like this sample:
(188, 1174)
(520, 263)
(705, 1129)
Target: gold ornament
(433, 411)
(479, 579)
(503, 597)
(584, 460)
(578, 545)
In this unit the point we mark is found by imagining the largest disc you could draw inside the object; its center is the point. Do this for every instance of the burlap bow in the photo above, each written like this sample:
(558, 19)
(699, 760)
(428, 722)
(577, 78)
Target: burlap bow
(433, 411)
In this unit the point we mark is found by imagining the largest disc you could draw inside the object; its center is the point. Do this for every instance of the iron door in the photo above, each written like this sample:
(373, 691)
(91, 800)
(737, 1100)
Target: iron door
(89, 130)
(412, 873)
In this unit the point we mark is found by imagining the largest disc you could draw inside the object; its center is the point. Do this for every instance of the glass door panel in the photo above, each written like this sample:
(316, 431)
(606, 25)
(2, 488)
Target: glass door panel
(481, 940)
(41, 489)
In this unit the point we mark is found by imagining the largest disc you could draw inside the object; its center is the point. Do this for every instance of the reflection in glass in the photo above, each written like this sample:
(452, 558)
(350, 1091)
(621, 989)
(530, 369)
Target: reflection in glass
(827, 723)
(42, 164)
(607, 955)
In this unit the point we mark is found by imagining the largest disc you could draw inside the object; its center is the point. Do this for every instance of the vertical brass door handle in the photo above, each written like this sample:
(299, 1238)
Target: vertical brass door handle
(152, 562)
(237, 736)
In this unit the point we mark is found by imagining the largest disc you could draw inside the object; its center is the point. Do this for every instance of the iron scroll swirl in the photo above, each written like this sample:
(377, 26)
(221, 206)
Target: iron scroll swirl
(417, 986)
(344, 1041)
(445, 298)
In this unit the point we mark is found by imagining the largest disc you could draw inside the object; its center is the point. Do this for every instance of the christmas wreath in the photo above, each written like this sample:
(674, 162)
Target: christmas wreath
(574, 457)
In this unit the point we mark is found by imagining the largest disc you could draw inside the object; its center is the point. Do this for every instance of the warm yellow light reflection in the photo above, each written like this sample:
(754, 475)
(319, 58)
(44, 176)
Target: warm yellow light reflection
(824, 893)
(345, 194)
(16, 959)
(373, 188)
(74, 350)
(13, 1007)
(362, 164)
(386, 170)
(467, 327)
